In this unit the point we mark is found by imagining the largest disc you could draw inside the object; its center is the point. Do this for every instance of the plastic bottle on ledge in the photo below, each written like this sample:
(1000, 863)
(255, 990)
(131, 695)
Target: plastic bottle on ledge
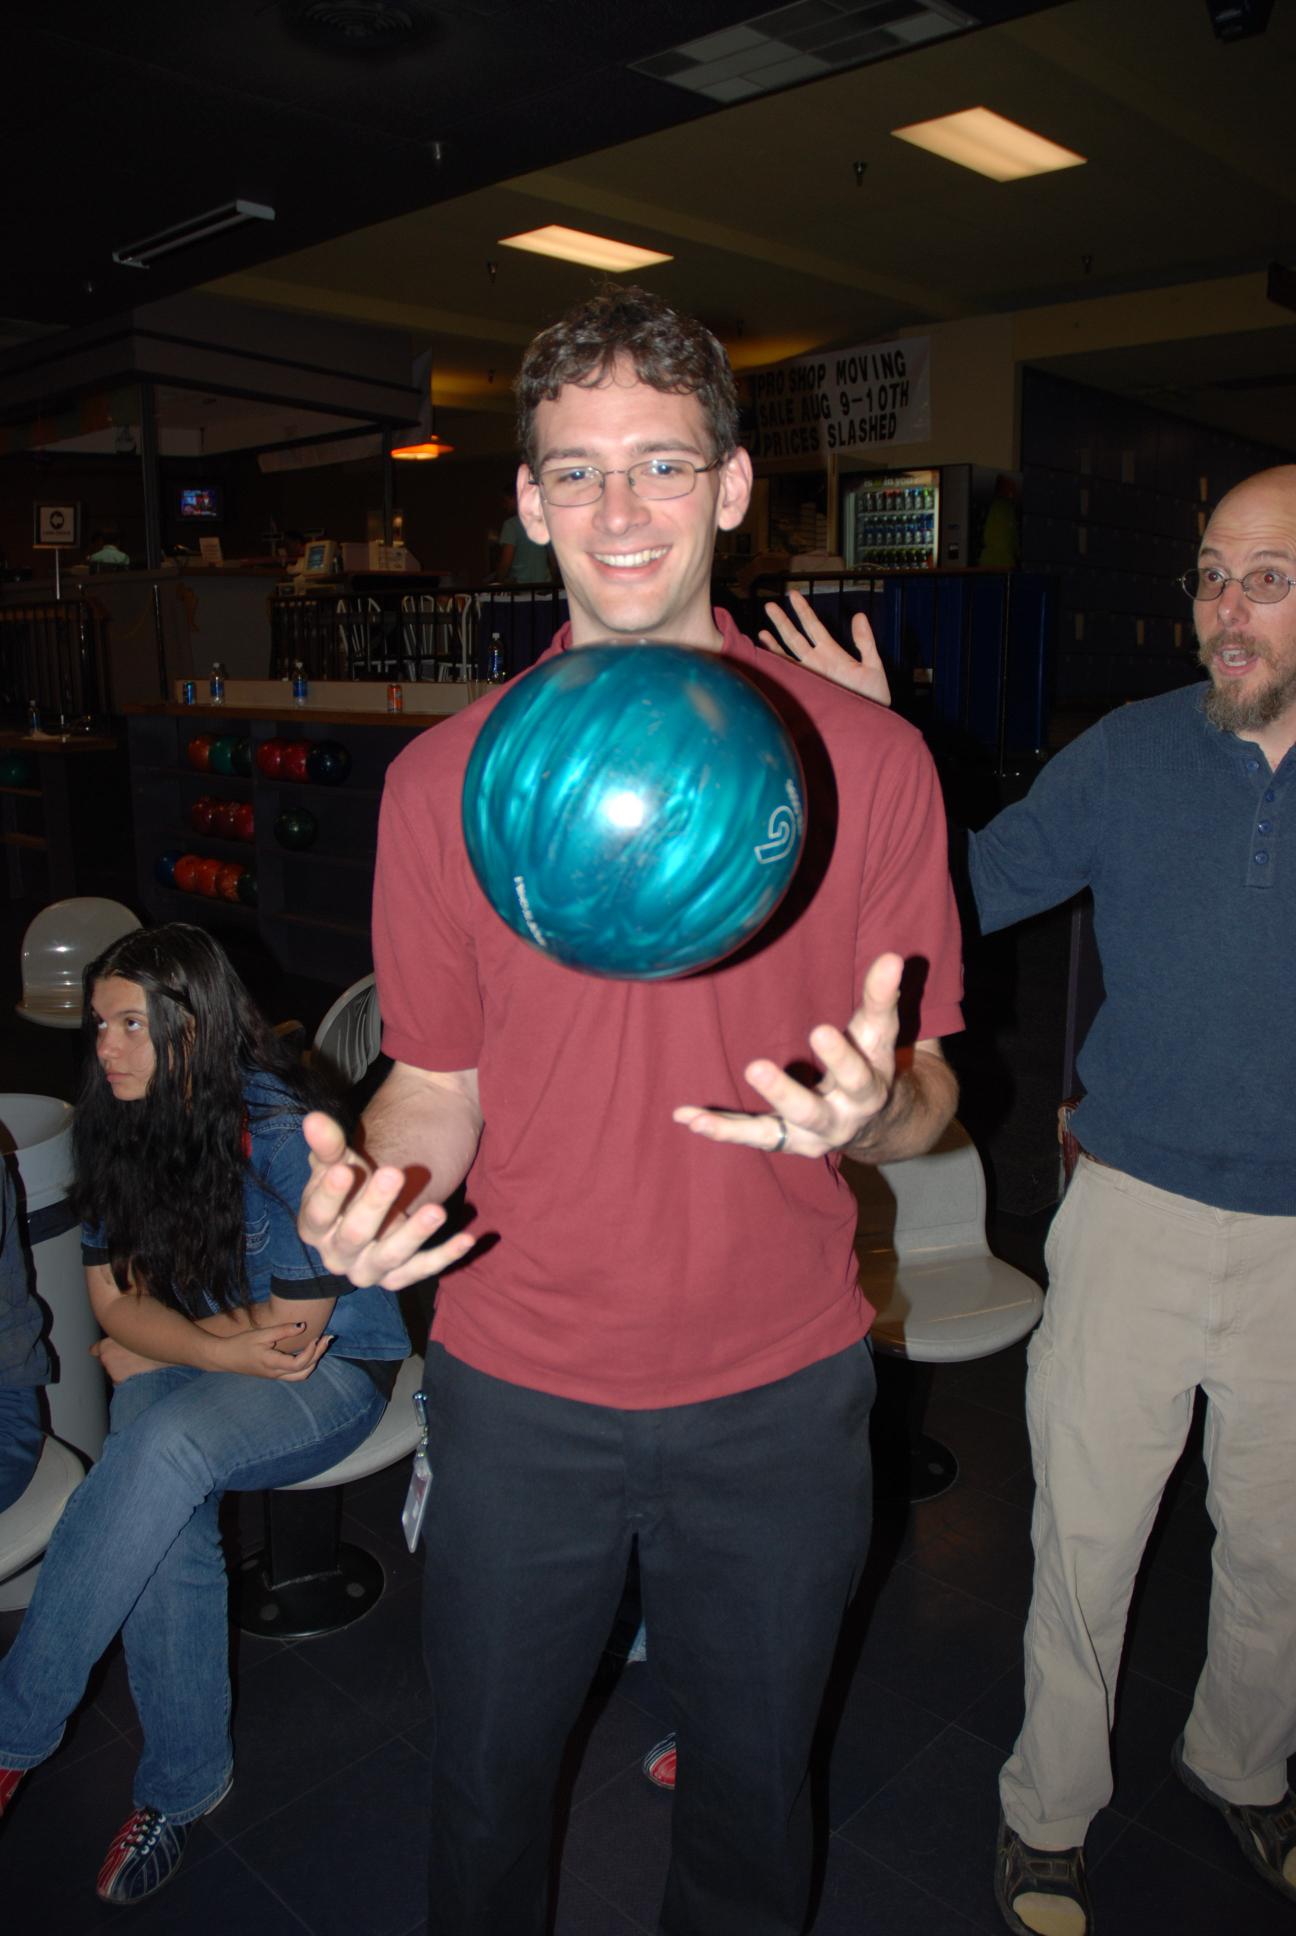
(496, 675)
(216, 683)
(33, 718)
(300, 684)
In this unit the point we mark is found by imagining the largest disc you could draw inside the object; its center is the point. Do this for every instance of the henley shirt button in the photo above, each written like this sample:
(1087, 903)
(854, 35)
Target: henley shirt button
(1264, 826)
(1261, 858)
(1253, 766)
(1269, 796)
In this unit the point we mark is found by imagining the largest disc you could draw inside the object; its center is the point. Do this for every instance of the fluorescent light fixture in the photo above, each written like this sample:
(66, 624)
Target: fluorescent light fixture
(574, 245)
(984, 141)
(138, 255)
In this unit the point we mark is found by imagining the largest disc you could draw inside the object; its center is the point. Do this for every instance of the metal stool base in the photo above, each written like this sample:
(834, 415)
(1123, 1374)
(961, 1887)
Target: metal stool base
(318, 1604)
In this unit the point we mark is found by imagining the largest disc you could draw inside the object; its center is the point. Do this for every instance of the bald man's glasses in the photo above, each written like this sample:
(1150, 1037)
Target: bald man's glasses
(1264, 586)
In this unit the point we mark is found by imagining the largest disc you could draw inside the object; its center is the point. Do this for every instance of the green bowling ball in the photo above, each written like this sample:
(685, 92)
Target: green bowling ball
(296, 827)
(243, 756)
(247, 888)
(222, 755)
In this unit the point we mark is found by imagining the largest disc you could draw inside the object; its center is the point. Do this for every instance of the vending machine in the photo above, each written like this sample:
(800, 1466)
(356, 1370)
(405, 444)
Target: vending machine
(892, 519)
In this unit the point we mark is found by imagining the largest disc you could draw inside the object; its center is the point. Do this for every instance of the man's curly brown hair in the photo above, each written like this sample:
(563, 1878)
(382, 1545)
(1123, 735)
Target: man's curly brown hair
(667, 351)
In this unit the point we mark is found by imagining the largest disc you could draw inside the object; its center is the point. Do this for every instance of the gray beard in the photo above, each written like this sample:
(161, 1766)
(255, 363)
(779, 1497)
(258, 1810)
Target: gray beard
(1235, 712)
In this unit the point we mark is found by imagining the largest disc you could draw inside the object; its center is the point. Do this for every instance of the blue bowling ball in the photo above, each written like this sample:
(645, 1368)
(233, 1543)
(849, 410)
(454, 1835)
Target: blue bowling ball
(164, 866)
(328, 762)
(634, 810)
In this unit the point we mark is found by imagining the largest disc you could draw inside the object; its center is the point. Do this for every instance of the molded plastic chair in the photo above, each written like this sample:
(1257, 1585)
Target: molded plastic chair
(307, 1580)
(58, 943)
(26, 1526)
(36, 1136)
(349, 1039)
(941, 1297)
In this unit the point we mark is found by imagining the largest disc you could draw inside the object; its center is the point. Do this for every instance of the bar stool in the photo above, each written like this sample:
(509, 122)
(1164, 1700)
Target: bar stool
(940, 1294)
(349, 1039)
(25, 1527)
(307, 1579)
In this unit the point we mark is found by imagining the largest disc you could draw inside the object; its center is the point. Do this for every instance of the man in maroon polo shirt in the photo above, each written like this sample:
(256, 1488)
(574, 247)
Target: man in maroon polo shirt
(666, 1343)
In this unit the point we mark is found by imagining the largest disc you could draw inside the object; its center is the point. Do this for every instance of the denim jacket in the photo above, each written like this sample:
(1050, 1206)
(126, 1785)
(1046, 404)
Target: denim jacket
(365, 1323)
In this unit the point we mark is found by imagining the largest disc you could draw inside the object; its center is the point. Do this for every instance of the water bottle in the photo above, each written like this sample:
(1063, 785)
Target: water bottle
(300, 684)
(33, 717)
(495, 672)
(216, 684)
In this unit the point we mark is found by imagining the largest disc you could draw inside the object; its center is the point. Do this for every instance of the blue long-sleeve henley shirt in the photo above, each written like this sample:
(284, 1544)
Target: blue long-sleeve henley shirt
(1190, 1065)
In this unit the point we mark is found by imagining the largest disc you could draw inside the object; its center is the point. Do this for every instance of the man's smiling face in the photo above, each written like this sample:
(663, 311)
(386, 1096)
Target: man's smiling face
(633, 568)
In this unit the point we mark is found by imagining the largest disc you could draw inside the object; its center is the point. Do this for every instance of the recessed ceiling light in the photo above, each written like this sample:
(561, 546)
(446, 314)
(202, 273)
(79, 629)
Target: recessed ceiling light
(574, 245)
(982, 140)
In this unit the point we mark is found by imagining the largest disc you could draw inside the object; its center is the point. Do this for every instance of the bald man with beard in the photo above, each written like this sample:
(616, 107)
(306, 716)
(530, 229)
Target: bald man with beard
(1172, 1261)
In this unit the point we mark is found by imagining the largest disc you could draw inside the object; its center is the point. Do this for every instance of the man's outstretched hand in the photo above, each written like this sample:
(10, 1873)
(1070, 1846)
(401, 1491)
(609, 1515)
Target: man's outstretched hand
(349, 1213)
(859, 1065)
(816, 649)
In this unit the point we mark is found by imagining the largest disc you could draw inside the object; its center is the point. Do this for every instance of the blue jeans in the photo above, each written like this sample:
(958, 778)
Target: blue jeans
(21, 1439)
(138, 1550)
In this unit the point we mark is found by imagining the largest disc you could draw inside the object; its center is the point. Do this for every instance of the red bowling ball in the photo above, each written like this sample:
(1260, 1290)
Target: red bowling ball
(227, 881)
(244, 827)
(198, 752)
(207, 874)
(296, 754)
(222, 819)
(200, 814)
(186, 873)
(270, 757)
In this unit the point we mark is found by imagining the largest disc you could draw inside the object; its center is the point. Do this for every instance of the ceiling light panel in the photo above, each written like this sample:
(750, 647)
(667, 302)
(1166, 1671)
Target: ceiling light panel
(802, 42)
(987, 143)
(594, 251)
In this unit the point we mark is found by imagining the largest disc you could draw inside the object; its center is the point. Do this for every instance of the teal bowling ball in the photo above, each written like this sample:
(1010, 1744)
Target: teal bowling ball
(328, 762)
(296, 828)
(222, 755)
(635, 811)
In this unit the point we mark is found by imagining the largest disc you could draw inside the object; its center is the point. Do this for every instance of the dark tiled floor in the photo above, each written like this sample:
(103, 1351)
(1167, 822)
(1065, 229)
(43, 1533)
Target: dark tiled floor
(322, 1832)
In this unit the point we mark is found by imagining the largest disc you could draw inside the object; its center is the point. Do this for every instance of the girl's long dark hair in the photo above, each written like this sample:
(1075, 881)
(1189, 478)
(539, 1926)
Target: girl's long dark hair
(164, 1175)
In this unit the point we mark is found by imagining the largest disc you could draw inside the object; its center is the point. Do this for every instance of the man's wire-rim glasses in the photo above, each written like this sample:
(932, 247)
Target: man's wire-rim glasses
(1263, 586)
(653, 478)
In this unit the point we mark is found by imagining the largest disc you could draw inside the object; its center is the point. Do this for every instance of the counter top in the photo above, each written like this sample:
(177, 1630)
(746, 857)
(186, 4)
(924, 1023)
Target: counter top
(331, 701)
(12, 741)
(212, 717)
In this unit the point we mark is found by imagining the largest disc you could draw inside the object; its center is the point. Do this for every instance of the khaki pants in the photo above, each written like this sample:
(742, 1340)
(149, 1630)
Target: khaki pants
(1152, 1295)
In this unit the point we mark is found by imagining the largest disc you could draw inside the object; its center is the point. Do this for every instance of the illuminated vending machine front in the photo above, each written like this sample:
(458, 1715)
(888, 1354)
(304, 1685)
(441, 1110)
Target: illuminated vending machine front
(891, 519)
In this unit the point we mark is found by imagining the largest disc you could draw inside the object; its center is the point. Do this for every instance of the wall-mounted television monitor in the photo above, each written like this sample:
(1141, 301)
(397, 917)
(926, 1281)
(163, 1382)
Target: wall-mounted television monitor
(201, 502)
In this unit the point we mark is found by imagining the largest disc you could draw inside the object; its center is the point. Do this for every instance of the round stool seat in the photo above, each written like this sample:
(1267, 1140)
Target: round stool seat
(958, 1306)
(25, 1527)
(395, 1434)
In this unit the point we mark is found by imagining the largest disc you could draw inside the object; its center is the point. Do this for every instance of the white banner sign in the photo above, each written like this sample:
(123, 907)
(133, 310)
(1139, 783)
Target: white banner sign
(847, 400)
